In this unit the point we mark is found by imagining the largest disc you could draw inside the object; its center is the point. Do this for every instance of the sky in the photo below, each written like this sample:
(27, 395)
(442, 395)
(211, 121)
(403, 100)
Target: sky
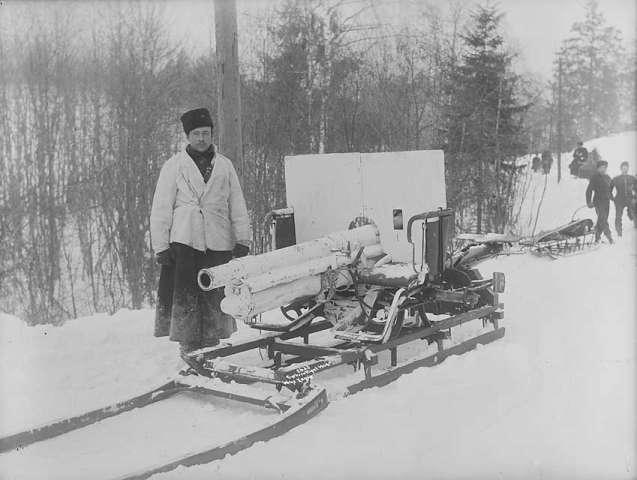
(534, 27)
(539, 26)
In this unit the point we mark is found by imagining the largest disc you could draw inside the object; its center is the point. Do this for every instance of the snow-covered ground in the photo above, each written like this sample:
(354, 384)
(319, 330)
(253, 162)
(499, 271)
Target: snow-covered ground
(554, 399)
(49, 372)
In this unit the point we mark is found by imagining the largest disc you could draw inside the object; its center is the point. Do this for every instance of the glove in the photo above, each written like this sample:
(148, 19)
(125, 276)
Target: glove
(166, 257)
(240, 250)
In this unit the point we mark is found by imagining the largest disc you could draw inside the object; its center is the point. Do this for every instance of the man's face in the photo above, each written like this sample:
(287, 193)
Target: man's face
(200, 138)
(624, 169)
(602, 168)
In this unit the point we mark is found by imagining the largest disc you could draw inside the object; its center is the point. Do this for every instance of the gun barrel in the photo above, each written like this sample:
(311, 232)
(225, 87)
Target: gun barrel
(252, 266)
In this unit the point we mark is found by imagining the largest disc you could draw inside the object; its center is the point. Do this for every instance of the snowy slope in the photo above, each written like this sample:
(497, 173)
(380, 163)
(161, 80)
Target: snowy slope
(563, 200)
(554, 399)
(49, 372)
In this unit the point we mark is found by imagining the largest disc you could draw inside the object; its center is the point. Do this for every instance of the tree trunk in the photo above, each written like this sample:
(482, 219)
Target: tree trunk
(229, 84)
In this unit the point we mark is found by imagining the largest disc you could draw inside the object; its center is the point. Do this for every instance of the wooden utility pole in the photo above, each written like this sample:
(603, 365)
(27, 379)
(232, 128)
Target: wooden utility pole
(228, 82)
(559, 119)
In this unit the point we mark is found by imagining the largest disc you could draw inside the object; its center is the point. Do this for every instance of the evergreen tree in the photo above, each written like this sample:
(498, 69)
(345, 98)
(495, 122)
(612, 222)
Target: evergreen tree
(591, 67)
(289, 104)
(485, 129)
(311, 63)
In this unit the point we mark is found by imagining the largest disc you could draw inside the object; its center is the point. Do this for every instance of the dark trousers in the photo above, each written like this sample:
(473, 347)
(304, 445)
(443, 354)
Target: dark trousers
(620, 204)
(185, 312)
(574, 168)
(602, 209)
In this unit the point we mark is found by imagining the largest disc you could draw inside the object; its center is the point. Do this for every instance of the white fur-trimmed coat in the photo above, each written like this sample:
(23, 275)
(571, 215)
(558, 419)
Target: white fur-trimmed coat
(186, 210)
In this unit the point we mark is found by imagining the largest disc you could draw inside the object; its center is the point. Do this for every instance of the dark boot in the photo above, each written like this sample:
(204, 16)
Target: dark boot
(185, 348)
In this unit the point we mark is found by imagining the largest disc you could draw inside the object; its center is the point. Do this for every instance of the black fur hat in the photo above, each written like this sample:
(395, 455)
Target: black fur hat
(199, 117)
(602, 163)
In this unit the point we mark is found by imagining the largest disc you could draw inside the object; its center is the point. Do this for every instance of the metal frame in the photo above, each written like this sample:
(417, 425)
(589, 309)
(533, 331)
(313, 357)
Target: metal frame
(359, 347)
(424, 217)
(565, 247)
(308, 359)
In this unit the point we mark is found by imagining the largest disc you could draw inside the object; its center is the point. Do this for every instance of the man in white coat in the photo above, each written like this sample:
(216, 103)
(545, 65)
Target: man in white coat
(198, 219)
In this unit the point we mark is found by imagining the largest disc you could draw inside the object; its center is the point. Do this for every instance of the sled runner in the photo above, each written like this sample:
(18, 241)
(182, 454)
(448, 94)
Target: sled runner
(577, 236)
(268, 415)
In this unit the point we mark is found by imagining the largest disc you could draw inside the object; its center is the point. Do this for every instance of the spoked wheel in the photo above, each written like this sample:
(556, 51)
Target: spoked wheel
(457, 277)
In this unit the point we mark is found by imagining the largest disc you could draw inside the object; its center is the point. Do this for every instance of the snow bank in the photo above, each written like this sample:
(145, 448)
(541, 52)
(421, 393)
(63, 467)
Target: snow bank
(51, 372)
(137, 440)
(615, 149)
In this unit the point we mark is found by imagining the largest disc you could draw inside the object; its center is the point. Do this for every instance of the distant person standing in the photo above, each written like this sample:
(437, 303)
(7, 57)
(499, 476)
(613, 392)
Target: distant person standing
(547, 161)
(580, 157)
(624, 186)
(598, 196)
(536, 163)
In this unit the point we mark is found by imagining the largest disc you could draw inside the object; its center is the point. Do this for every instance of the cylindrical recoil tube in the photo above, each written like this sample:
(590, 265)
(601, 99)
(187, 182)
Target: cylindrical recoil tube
(251, 266)
(243, 303)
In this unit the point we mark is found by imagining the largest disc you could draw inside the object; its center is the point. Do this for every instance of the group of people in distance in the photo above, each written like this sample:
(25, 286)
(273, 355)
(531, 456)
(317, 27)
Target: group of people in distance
(622, 189)
(580, 157)
(544, 163)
